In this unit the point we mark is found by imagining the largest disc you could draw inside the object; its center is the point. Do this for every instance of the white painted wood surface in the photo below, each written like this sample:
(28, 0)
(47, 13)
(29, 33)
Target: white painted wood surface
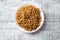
(49, 31)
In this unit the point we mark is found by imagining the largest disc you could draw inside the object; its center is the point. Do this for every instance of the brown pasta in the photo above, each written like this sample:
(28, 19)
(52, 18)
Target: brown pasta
(28, 17)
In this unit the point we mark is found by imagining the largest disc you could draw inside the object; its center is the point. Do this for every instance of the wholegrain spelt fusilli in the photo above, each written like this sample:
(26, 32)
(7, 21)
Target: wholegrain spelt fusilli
(28, 17)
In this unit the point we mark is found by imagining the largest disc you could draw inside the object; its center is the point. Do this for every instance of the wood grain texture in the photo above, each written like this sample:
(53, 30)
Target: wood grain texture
(49, 31)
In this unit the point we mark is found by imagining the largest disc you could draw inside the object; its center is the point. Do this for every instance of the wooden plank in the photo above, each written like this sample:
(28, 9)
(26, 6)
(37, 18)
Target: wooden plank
(49, 31)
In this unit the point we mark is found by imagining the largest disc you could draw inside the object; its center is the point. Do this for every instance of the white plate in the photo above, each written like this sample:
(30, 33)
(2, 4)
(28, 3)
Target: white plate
(41, 13)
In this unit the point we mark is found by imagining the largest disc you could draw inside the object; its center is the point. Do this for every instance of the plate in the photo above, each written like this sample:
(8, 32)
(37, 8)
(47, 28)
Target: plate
(41, 13)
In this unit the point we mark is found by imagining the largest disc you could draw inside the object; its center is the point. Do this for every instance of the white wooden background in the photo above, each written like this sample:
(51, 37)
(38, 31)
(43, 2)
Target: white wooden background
(49, 31)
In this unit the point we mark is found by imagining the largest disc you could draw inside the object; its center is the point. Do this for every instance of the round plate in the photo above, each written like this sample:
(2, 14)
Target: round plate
(41, 13)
